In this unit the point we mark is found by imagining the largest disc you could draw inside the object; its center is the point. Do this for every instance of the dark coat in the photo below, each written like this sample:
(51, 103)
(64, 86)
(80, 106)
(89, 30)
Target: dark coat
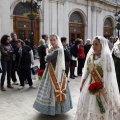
(14, 45)
(25, 58)
(87, 48)
(67, 54)
(74, 51)
(42, 54)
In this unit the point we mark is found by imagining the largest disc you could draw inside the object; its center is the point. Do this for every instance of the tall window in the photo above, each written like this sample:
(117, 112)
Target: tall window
(21, 8)
(76, 17)
(108, 28)
(108, 22)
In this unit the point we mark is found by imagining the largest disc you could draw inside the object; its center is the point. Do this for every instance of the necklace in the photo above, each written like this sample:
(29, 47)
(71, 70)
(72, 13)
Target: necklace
(97, 55)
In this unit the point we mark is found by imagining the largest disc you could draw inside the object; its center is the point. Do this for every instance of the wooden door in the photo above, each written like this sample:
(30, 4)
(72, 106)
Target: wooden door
(76, 31)
(22, 27)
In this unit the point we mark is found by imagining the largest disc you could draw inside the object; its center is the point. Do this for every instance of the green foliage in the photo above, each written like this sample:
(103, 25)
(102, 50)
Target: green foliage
(32, 16)
(117, 27)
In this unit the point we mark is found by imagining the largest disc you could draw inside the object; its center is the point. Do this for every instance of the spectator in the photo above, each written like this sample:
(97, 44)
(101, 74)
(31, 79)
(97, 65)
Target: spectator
(87, 46)
(81, 57)
(111, 43)
(24, 58)
(6, 61)
(74, 56)
(13, 43)
(67, 54)
(27, 42)
(45, 37)
(42, 53)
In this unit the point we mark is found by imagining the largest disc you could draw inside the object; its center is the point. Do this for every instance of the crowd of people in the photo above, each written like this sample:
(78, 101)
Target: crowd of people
(16, 56)
(97, 62)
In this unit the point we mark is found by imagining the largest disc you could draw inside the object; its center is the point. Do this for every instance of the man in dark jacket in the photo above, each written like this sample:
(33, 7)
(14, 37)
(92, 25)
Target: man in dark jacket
(13, 43)
(67, 55)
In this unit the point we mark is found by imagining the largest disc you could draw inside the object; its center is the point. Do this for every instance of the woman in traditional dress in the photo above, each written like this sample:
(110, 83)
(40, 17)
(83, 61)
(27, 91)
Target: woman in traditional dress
(99, 68)
(53, 95)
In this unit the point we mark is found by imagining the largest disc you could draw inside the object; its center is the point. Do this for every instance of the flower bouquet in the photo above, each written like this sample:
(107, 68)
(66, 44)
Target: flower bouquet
(40, 73)
(94, 88)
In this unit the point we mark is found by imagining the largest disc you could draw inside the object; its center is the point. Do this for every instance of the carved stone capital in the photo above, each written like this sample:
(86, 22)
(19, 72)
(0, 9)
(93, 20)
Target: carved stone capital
(96, 9)
(93, 8)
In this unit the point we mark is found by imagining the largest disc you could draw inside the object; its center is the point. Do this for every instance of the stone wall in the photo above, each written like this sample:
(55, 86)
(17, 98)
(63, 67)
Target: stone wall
(54, 16)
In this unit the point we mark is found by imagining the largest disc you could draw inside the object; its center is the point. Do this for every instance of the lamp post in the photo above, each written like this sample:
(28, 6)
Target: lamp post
(117, 18)
(34, 4)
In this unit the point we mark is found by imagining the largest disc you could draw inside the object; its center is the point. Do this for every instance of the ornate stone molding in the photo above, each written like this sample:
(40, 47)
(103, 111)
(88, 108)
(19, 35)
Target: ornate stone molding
(59, 1)
(97, 9)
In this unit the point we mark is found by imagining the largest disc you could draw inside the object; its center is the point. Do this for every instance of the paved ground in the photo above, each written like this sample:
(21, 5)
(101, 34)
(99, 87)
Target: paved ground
(17, 104)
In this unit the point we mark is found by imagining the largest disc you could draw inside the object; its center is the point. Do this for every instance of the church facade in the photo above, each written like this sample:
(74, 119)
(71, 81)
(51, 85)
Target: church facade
(69, 18)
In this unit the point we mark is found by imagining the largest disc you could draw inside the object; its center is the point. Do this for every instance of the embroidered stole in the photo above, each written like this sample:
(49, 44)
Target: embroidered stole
(60, 90)
(94, 73)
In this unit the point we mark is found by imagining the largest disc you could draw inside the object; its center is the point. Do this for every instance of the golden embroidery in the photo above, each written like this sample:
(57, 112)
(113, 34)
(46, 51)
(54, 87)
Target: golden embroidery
(60, 91)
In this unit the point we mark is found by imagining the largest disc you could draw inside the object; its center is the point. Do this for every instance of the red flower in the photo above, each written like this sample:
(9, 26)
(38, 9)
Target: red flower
(95, 86)
(40, 72)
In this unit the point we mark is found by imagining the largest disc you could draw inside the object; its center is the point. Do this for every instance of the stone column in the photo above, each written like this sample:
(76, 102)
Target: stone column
(89, 23)
(54, 18)
(94, 22)
(0, 26)
(60, 19)
(46, 17)
(5, 17)
(66, 20)
(99, 21)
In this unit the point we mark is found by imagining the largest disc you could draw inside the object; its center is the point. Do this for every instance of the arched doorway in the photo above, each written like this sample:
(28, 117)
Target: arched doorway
(22, 25)
(76, 27)
(108, 28)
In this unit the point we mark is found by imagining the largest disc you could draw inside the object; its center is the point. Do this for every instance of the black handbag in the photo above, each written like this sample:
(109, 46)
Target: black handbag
(34, 70)
(73, 63)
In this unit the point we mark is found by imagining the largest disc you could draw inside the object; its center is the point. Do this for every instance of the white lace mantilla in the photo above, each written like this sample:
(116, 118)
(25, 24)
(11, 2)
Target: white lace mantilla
(87, 105)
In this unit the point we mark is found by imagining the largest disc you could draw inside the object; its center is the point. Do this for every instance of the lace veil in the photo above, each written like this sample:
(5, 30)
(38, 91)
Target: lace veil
(109, 78)
(60, 63)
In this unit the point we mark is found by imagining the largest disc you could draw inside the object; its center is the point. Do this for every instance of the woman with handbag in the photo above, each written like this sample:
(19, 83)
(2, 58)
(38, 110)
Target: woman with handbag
(54, 95)
(24, 59)
(6, 61)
